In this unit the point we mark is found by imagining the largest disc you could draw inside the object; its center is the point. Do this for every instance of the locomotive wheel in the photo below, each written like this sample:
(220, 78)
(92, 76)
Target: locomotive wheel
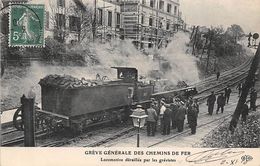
(18, 119)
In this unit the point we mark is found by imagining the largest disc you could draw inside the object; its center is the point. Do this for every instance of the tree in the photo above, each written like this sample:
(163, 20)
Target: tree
(247, 85)
(235, 31)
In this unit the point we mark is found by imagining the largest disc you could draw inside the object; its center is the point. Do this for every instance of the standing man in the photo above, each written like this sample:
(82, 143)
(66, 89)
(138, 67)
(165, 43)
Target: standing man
(162, 110)
(166, 121)
(239, 87)
(188, 107)
(227, 94)
(253, 97)
(180, 117)
(193, 118)
(151, 120)
(218, 74)
(221, 103)
(210, 102)
(244, 112)
(174, 108)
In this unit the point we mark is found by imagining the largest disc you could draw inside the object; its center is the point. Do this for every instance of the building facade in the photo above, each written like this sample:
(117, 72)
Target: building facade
(148, 23)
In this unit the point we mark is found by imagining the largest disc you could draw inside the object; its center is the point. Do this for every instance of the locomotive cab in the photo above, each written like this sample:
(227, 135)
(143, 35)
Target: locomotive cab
(127, 74)
(140, 93)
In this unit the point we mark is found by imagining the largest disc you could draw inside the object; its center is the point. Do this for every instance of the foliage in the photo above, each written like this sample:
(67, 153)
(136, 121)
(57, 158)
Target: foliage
(218, 40)
(235, 31)
(246, 135)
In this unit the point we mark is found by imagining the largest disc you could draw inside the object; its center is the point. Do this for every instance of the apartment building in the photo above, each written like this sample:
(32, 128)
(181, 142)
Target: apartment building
(148, 23)
(153, 22)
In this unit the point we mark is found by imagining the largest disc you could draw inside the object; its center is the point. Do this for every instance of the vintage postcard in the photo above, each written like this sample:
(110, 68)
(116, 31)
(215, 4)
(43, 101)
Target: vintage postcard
(130, 82)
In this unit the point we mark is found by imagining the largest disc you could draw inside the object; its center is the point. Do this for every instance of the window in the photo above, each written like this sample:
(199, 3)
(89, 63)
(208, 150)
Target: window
(175, 10)
(109, 18)
(143, 2)
(47, 18)
(118, 20)
(161, 5)
(169, 8)
(150, 21)
(74, 23)
(60, 21)
(61, 3)
(142, 19)
(100, 16)
(151, 3)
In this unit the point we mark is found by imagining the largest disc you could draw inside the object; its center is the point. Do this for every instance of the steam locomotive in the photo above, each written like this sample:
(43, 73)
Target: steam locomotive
(76, 104)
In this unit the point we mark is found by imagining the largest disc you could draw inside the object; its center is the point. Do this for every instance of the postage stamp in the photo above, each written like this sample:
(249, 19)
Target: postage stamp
(26, 25)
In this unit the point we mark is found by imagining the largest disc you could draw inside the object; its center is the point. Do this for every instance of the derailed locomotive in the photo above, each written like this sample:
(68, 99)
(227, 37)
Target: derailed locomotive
(68, 102)
(77, 103)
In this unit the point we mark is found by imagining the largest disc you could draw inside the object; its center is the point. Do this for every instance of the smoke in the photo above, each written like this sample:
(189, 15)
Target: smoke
(183, 64)
(115, 53)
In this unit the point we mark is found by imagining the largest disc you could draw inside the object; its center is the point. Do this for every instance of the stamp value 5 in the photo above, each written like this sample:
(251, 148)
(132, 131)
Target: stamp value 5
(26, 25)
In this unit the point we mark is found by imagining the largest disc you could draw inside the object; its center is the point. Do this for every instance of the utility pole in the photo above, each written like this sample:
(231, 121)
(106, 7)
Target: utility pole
(247, 85)
(94, 21)
(211, 33)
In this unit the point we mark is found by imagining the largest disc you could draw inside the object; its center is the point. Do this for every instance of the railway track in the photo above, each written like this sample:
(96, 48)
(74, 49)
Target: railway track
(223, 119)
(224, 74)
(230, 77)
(19, 139)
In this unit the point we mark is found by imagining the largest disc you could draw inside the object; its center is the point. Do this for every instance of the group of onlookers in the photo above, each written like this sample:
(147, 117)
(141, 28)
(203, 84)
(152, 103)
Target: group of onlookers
(171, 115)
(223, 99)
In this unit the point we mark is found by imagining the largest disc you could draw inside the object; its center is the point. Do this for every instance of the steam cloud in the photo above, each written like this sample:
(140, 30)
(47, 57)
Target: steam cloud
(116, 53)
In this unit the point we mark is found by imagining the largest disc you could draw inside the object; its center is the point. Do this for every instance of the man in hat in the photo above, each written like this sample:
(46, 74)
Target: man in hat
(227, 94)
(162, 110)
(239, 87)
(180, 117)
(174, 108)
(188, 106)
(210, 102)
(166, 121)
(253, 97)
(221, 103)
(244, 112)
(193, 117)
(151, 120)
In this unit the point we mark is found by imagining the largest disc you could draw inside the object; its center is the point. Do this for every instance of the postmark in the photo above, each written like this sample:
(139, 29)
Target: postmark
(26, 25)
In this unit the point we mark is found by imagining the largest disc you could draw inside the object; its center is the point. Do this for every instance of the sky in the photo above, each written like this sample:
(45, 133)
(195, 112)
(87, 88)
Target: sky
(245, 13)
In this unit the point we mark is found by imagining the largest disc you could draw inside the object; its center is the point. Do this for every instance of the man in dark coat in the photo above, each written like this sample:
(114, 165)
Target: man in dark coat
(188, 106)
(227, 94)
(244, 112)
(151, 121)
(239, 87)
(166, 121)
(174, 108)
(253, 97)
(221, 103)
(218, 74)
(180, 116)
(210, 102)
(193, 118)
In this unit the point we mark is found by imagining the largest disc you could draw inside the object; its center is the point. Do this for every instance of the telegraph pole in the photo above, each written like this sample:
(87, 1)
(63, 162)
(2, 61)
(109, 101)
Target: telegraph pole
(248, 84)
(94, 21)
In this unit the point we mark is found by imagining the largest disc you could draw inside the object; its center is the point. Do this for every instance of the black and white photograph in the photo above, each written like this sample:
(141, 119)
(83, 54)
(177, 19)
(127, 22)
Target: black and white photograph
(126, 82)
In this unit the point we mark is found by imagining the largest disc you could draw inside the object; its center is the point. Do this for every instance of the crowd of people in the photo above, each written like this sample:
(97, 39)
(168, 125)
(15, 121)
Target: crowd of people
(171, 114)
(223, 99)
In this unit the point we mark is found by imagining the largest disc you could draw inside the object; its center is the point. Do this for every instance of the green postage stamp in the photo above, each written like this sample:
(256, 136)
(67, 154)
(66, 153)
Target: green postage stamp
(26, 25)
